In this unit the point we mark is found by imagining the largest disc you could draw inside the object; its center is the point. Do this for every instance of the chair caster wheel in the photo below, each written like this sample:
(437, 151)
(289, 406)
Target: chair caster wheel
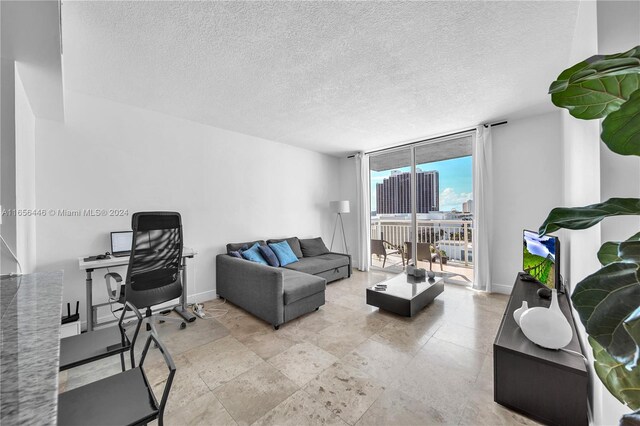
(183, 326)
(276, 327)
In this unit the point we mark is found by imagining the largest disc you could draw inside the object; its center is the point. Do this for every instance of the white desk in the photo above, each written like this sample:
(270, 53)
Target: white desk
(113, 261)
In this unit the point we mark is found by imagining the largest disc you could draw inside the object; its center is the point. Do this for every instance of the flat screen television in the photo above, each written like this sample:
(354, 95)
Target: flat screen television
(541, 258)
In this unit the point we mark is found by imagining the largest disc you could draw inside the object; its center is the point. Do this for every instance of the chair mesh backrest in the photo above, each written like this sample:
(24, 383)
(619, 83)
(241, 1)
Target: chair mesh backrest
(156, 250)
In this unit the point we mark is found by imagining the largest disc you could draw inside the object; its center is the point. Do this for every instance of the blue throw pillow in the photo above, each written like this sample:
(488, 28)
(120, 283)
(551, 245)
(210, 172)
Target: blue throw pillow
(283, 252)
(237, 254)
(269, 255)
(253, 254)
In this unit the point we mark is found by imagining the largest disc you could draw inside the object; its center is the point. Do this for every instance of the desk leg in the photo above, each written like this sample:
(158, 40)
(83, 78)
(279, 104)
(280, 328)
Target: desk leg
(182, 309)
(89, 301)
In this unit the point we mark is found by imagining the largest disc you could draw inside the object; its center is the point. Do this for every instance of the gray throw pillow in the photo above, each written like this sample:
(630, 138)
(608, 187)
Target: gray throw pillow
(313, 247)
(293, 242)
(242, 246)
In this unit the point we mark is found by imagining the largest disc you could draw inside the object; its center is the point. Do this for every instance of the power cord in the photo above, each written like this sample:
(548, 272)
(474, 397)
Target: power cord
(569, 351)
(211, 312)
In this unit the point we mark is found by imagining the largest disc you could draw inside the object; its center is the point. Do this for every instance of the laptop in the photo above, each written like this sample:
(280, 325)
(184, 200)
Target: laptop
(121, 243)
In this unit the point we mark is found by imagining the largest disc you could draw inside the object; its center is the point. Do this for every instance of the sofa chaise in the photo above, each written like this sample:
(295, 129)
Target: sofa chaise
(280, 294)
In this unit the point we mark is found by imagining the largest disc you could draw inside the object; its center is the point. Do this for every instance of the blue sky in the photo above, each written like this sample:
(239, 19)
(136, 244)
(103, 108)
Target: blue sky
(456, 182)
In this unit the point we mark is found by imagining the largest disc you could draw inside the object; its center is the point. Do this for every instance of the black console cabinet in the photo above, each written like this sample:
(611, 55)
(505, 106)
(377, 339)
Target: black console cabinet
(546, 385)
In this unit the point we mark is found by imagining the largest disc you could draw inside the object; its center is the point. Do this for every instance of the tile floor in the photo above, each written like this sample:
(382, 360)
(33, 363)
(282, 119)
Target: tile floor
(346, 364)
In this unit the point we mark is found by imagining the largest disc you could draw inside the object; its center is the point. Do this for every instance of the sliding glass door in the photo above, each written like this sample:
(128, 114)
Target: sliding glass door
(391, 176)
(422, 207)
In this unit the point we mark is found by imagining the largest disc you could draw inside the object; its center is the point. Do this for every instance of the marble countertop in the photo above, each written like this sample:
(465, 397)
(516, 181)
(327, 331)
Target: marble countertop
(30, 309)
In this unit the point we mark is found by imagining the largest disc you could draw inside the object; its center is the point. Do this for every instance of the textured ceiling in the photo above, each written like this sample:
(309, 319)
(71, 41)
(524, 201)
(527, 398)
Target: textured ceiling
(334, 77)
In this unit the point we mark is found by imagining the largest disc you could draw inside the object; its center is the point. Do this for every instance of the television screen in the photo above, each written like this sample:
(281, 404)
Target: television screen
(540, 258)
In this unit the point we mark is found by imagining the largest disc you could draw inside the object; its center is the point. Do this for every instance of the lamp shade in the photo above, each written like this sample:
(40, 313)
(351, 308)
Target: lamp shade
(340, 206)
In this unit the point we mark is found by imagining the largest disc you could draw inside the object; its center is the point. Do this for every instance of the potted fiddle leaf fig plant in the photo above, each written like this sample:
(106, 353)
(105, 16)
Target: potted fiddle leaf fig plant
(608, 301)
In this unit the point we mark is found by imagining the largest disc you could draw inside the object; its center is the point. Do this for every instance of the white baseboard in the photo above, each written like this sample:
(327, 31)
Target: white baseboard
(501, 288)
(202, 297)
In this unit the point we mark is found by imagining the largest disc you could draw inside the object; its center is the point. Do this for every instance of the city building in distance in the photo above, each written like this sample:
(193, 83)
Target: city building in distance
(467, 206)
(393, 195)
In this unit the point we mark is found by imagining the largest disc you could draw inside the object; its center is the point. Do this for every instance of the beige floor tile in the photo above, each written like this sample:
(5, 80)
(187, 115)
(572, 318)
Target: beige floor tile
(482, 410)
(267, 344)
(302, 362)
(408, 337)
(311, 322)
(443, 384)
(243, 324)
(186, 386)
(453, 358)
(381, 361)
(491, 301)
(396, 408)
(93, 372)
(335, 313)
(177, 341)
(340, 339)
(298, 334)
(63, 376)
(300, 410)
(204, 410)
(220, 361)
(475, 316)
(477, 339)
(345, 390)
(254, 393)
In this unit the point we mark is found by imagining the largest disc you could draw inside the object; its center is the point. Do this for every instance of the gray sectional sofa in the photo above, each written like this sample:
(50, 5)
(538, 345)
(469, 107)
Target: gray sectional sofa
(279, 294)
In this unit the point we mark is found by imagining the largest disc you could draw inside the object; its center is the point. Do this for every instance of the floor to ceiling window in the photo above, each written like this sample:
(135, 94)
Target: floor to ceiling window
(422, 197)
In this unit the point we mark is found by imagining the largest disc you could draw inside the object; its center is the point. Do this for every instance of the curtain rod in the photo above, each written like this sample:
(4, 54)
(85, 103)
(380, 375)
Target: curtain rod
(499, 123)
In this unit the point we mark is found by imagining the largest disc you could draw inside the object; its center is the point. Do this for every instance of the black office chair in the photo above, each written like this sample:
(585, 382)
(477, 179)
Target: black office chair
(122, 399)
(154, 274)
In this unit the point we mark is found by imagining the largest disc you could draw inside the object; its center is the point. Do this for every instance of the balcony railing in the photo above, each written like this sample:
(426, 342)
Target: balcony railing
(452, 236)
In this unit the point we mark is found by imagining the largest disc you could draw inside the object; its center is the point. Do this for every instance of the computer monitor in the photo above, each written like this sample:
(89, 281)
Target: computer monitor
(541, 258)
(121, 242)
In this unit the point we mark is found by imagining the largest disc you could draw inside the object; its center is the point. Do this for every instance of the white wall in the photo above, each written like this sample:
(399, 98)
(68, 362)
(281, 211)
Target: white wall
(228, 187)
(7, 163)
(25, 177)
(348, 192)
(527, 175)
(618, 31)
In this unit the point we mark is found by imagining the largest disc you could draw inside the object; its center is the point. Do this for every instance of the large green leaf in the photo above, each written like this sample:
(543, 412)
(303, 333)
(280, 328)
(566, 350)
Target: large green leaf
(622, 383)
(599, 66)
(607, 65)
(593, 99)
(608, 253)
(605, 300)
(597, 86)
(586, 217)
(621, 128)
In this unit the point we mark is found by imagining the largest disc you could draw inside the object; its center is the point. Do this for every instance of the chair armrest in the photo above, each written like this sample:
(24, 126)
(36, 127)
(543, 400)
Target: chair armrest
(170, 364)
(254, 287)
(113, 294)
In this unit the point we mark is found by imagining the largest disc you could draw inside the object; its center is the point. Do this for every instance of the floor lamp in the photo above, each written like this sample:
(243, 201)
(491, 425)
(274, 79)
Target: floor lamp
(339, 207)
